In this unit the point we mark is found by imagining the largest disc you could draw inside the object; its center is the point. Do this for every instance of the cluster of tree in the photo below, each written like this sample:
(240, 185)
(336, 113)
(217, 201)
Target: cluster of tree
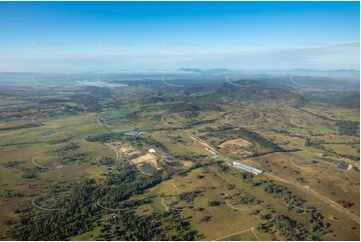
(73, 157)
(231, 133)
(190, 196)
(91, 98)
(308, 142)
(126, 182)
(67, 148)
(106, 161)
(12, 164)
(274, 188)
(224, 168)
(79, 211)
(330, 151)
(199, 105)
(292, 229)
(206, 218)
(59, 140)
(348, 101)
(287, 227)
(346, 204)
(127, 226)
(246, 176)
(315, 114)
(105, 137)
(146, 141)
(297, 203)
(348, 127)
(77, 215)
(245, 198)
(29, 175)
(137, 141)
(23, 126)
(214, 203)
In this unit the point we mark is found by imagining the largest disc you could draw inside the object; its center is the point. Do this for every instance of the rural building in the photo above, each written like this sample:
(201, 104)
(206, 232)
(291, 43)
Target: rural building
(135, 133)
(134, 153)
(151, 150)
(246, 167)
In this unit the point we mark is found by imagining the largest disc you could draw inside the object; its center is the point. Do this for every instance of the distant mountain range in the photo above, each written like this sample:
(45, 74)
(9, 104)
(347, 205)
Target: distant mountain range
(339, 73)
(205, 71)
(354, 74)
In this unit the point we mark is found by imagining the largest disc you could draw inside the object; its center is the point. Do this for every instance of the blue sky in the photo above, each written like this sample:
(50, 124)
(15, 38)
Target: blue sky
(111, 36)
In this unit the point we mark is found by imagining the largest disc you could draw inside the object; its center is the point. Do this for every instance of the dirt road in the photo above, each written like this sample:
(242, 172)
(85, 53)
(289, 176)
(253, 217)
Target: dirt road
(310, 191)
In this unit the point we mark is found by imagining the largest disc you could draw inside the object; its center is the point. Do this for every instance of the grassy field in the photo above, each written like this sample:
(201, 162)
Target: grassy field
(43, 146)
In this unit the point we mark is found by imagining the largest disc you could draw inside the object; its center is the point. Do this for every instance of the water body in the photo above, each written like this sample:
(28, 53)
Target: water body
(340, 164)
(100, 84)
(147, 168)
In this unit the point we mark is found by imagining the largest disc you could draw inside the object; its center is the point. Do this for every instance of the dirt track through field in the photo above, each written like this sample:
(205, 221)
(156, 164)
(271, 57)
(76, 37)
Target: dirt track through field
(243, 231)
(115, 150)
(207, 147)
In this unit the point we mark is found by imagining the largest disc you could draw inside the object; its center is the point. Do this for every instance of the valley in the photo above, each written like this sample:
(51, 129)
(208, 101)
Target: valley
(140, 158)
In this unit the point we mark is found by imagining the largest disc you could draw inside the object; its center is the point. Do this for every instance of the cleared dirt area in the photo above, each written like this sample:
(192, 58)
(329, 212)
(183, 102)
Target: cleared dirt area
(187, 164)
(148, 158)
(236, 142)
(126, 149)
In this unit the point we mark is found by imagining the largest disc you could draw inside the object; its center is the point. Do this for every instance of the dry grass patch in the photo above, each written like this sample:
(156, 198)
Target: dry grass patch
(235, 142)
